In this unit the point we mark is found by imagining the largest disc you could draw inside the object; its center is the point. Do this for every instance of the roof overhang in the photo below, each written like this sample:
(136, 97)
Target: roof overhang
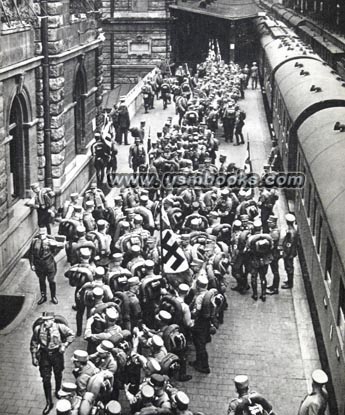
(224, 9)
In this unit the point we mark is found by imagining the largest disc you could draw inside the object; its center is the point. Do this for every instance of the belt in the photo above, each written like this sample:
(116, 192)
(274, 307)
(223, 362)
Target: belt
(50, 351)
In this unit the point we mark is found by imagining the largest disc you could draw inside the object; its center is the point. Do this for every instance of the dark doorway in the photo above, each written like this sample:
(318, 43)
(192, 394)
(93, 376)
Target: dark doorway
(79, 110)
(10, 306)
(17, 149)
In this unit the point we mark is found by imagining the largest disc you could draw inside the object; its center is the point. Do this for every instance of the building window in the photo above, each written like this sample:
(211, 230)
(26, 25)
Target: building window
(309, 200)
(329, 260)
(318, 235)
(80, 89)
(140, 5)
(18, 173)
(314, 216)
(341, 312)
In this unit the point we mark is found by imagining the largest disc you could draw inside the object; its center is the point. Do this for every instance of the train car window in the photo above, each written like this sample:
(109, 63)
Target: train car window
(309, 201)
(314, 216)
(318, 235)
(341, 312)
(329, 260)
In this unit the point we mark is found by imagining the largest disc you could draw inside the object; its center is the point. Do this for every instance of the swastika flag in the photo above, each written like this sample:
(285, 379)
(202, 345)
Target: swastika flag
(174, 260)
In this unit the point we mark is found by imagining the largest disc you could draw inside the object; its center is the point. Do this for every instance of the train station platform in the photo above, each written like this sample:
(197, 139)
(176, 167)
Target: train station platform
(272, 342)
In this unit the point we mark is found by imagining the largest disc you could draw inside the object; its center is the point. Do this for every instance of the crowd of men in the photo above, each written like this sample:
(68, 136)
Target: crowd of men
(150, 269)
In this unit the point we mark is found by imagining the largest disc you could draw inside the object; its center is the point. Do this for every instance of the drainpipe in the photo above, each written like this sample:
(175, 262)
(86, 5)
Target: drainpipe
(46, 103)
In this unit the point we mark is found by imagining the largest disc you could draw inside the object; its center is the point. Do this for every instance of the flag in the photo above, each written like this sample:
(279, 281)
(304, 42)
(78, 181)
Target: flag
(247, 162)
(173, 258)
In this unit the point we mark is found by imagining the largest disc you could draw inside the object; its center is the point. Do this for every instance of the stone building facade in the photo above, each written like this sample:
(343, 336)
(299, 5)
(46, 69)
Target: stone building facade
(75, 77)
(137, 38)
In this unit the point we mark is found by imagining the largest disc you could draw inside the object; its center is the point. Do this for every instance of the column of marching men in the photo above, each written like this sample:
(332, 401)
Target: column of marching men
(141, 320)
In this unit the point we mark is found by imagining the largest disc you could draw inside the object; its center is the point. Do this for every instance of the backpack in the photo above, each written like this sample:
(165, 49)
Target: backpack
(76, 274)
(262, 246)
(173, 306)
(170, 363)
(151, 289)
(252, 408)
(230, 113)
(174, 340)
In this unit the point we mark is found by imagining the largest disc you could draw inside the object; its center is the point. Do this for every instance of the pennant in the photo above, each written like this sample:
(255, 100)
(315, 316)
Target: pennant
(174, 260)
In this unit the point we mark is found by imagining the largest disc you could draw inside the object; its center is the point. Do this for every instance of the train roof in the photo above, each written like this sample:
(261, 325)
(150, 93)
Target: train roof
(324, 150)
(280, 51)
(295, 82)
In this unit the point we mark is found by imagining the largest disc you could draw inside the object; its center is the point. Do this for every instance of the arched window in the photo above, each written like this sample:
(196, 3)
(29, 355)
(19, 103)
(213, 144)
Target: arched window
(18, 178)
(80, 89)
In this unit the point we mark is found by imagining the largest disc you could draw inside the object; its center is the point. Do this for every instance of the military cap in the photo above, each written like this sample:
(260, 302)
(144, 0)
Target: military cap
(78, 208)
(153, 365)
(208, 160)
(135, 249)
(257, 223)
(122, 280)
(106, 346)
(125, 224)
(290, 218)
(202, 281)
(182, 400)
(101, 223)
(122, 98)
(63, 407)
(157, 380)
(129, 211)
(89, 203)
(117, 198)
(42, 231)
(98, 292)
(224, 192)
(273, 219)
(241, 381)
(164, 316)
(237, 224)
(151, 239)
(144, 198)
(266, 166)
(81, 229)
(197, 262)
(112, 314)
(214, 214)
(48, 315)
(35, 185)
(319, 377)
(74, 195)
(195, 205)
(113, 408)
(99, 271)
(133, 281)
(138, 219)
(147, 392)
(244, 218)
(157, 341)
(80, 356)
(117, 257)
(144, 192)
(149, 264)
(183, 288)
(185, 237)
(93, 186)
(67, 388)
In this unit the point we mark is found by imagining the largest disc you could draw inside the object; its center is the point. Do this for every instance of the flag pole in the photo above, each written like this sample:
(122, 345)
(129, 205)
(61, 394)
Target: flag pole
(161, 227)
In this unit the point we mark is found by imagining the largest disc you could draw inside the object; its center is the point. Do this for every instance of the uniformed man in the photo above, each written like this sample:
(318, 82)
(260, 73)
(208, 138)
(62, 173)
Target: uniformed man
(43, 202)
(134, 303)
(83, 370)
(315, 403)
(101, 153)
(276, 253)
(43, 263)
(88, 218)
(137, 155)
(200, 327)
(102, 242)
(48, 345)
(81, 243)
(289, 245)
(68, 392)
(124, 121)
(248, 400)
(97, 196)
(69, 205)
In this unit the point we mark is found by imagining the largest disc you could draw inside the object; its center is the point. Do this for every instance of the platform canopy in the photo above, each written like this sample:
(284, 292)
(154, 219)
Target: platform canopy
(225, 9)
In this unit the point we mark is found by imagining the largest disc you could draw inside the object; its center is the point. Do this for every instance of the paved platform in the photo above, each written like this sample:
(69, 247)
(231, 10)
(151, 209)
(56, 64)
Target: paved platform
(272, 342)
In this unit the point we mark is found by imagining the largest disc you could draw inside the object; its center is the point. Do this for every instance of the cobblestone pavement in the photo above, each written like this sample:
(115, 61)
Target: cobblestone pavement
(272, 342)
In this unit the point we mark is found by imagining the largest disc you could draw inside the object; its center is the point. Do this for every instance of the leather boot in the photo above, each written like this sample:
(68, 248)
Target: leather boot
(52, 286)
(43, 299)
(254, 284)
(263, 289)
(58, 381)
(48, 394)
